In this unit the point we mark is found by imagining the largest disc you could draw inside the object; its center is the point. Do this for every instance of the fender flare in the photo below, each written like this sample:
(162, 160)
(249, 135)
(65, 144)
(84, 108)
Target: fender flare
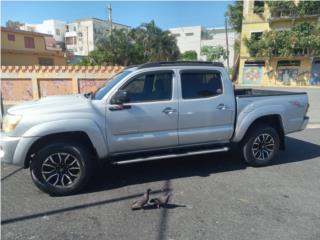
(96, 136)
(247, 118)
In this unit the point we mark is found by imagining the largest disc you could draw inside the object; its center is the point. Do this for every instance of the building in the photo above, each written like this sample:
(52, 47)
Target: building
(194, 38)
(52, 27)
(273, 69)
(82, 35)
(20, 47)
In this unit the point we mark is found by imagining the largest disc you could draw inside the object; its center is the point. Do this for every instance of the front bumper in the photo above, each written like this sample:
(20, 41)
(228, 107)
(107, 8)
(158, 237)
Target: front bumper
(305, 123)
(8, 147)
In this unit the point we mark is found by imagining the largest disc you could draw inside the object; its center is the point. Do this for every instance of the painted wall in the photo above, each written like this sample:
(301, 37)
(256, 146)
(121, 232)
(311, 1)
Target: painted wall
(271, 75)
(20, 83)
(15, 53)
(18, 43)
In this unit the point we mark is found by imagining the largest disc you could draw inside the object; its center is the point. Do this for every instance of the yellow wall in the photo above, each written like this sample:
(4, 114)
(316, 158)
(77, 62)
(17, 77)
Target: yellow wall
(21, 59)
(259, 23)
(18, 44)
(14, 52)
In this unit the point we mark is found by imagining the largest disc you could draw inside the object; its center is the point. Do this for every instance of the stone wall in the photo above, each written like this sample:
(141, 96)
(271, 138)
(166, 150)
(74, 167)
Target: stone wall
(21, 83)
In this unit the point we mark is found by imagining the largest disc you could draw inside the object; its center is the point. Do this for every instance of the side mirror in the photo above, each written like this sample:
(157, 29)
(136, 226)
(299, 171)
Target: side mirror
(120, 97)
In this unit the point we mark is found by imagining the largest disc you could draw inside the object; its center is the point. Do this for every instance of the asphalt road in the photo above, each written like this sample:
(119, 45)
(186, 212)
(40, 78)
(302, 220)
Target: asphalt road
(224, 199)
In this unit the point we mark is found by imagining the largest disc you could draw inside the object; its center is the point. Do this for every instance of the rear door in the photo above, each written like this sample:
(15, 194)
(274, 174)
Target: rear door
(149, 120)
(206, 111)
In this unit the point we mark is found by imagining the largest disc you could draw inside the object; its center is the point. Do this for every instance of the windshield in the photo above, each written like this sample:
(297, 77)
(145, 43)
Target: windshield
(104, 89)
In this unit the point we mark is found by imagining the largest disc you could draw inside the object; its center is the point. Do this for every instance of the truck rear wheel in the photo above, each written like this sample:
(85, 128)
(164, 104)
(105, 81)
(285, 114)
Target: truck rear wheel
(61, 168)
(261, 145)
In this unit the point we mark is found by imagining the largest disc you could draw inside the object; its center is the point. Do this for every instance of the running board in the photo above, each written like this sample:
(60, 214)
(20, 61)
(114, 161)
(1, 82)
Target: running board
(135, 160)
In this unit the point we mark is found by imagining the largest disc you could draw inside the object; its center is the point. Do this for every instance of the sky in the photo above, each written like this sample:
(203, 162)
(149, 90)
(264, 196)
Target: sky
(165, 14)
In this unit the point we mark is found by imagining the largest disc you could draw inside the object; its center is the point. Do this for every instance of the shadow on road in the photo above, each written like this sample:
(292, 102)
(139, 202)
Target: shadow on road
(111, 177)
(12, 173)
(76, 207)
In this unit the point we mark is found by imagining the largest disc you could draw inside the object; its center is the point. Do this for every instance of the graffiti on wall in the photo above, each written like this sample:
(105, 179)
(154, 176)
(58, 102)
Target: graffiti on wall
(287, 75)
(252, 75)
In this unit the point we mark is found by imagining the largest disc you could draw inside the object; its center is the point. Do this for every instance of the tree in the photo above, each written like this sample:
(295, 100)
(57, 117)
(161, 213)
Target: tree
(189, 55)
(290, 8)
(15, 25)
(139, 45)
(216, 53)
(235, 15)
(302, 39)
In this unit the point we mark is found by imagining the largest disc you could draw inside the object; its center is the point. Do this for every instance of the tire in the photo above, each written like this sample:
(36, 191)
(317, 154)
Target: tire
(61, 168)
(261, 145)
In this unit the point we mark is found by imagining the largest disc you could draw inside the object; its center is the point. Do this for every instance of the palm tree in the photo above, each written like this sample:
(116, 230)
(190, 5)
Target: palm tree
(139, 45)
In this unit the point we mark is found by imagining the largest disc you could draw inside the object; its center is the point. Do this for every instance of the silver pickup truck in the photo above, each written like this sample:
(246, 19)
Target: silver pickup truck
(147, 112)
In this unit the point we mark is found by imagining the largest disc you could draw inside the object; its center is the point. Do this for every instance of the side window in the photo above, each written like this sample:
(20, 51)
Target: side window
(200, 84)
(153, 86)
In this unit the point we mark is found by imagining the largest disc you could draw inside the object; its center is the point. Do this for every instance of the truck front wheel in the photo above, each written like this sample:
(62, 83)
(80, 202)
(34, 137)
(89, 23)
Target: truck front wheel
(61, 168)
(261, 145)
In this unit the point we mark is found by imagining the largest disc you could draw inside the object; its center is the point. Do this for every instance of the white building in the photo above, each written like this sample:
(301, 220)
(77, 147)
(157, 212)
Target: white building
(53, 27)
(82, 35)
(194, 38)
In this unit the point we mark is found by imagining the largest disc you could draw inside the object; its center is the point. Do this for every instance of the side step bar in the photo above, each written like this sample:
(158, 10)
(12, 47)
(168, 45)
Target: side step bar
(135, 160)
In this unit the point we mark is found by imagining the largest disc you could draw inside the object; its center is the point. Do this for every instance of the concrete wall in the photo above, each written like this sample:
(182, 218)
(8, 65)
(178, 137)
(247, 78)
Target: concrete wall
(21, 83)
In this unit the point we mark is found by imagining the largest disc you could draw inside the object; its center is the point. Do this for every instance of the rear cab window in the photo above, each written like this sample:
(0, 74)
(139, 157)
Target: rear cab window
(200, 83)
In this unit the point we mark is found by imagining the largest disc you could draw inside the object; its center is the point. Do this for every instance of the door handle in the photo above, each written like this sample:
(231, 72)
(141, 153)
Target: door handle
(221, 106)
(169, 110)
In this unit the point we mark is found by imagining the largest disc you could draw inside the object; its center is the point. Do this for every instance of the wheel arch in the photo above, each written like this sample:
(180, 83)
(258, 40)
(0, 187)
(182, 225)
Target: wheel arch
(273, 120)
(80, 137)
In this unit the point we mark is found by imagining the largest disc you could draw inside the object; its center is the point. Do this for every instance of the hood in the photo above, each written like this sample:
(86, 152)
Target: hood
(48, 104)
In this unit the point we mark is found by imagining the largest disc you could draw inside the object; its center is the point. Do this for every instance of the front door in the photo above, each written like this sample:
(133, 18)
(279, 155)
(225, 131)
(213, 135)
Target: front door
(206, 109)
(149, 119)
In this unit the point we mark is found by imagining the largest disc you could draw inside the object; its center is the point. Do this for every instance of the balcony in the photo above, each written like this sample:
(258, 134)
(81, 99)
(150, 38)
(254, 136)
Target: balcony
(280, 15)
(296, 52)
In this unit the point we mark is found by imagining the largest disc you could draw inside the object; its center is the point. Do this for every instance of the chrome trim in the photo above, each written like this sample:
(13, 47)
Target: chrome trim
(224, 149)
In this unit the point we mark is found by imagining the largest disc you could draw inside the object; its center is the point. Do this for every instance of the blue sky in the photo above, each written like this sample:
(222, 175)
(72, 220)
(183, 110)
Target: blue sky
(165, 14)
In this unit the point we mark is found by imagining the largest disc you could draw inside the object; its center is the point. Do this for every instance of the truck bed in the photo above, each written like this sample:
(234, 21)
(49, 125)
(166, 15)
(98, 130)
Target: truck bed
(291, 106)
(249, 92)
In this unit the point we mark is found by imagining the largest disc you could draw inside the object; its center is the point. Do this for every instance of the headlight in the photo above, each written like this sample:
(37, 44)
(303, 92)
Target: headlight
(10, 122)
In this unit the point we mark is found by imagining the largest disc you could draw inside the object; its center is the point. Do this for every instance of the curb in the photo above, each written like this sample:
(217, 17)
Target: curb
(313, 125)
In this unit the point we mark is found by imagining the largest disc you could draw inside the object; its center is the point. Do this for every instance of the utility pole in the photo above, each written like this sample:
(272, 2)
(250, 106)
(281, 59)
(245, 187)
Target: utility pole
(227, 41)
(110, 17)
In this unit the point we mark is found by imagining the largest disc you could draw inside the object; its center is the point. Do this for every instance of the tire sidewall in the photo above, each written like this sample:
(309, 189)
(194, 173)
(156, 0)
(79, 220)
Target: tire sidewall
(74, 149)
(247, 147)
